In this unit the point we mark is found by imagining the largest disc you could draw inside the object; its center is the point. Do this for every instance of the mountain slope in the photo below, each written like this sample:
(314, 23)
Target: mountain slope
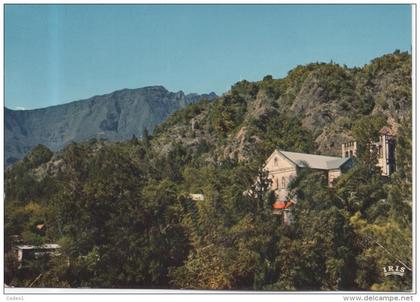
(311, 110)
(116, 116)
(124, 219)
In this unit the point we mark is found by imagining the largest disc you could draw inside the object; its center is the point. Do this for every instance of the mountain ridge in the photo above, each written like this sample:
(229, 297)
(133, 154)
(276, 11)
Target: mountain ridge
(160, 87)
(97, 196)
(318, 102)
(115, 116)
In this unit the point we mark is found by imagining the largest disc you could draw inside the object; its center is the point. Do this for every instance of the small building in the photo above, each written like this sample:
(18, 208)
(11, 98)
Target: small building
(196, 197)
(40, 226)
(283, 208)
(385, 146)
(284, 166)
(26, 252)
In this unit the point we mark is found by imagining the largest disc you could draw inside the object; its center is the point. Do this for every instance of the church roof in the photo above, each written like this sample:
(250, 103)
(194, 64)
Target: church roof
(313, 161)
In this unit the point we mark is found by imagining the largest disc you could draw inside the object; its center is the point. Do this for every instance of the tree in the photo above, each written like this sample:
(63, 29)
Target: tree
(260, 188)
(366, 133)
(146, 138)
(363, 185)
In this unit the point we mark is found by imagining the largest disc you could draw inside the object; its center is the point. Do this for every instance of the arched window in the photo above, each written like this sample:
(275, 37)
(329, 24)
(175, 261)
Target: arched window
(283, 182)
(276, 162)
(277, 183)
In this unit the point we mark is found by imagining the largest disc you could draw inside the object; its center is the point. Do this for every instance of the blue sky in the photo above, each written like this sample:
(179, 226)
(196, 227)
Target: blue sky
(56, 54)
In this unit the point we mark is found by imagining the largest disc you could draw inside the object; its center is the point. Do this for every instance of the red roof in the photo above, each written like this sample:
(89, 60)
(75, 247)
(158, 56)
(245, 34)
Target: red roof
(283, 204)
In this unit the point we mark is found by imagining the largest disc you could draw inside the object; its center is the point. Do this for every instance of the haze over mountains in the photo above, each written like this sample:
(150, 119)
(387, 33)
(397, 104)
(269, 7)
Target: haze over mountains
(116, 116)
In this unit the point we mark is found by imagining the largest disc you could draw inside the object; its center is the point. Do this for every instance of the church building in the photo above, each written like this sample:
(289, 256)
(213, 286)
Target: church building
(283, 166)
(385, 146)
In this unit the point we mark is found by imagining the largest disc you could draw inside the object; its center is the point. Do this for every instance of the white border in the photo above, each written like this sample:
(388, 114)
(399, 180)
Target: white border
(39, 294)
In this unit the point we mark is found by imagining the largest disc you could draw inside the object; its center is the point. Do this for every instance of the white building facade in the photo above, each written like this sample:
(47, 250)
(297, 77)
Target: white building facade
(284, 166)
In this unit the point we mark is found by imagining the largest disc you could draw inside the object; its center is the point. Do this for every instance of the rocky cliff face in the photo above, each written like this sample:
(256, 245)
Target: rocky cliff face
(316, 103)
(312, 109)
(116, 116)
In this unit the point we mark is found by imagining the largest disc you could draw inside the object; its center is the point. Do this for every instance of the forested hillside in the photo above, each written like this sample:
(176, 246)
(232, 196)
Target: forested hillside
(122, 214)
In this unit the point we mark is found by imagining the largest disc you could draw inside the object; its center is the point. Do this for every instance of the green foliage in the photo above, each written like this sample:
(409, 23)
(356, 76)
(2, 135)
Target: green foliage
(388, 62)
(220, 229)
(244, 88)
(366, 132)
(226, 114)
(335, 81)
(39, 155)
(24, 185)
(182, 116)
(121, 228)
(273, 87)
(297, 76)
(146, 138)
(404, 151)
(22, 220)
(122, 214)
(281, 131)
(384, 243)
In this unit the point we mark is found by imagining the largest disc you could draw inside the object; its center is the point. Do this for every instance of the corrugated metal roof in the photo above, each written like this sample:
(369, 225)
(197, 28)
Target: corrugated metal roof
(321, 162)
(44, 246)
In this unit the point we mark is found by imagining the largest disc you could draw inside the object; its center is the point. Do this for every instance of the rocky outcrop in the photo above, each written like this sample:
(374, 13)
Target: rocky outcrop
(325, 99)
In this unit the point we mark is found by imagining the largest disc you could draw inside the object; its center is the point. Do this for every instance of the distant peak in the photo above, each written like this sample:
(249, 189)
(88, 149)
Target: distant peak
(180, 93)
(154, 87)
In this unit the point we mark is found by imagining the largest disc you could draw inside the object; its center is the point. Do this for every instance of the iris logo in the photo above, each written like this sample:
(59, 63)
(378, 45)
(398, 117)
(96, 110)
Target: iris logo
(394, 270)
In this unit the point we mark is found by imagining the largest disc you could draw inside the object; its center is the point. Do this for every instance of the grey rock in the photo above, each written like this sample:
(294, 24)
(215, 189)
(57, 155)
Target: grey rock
(116, 116)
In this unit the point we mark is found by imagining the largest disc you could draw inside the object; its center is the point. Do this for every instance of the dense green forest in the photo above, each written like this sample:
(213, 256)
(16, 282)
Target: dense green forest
(122, 214)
